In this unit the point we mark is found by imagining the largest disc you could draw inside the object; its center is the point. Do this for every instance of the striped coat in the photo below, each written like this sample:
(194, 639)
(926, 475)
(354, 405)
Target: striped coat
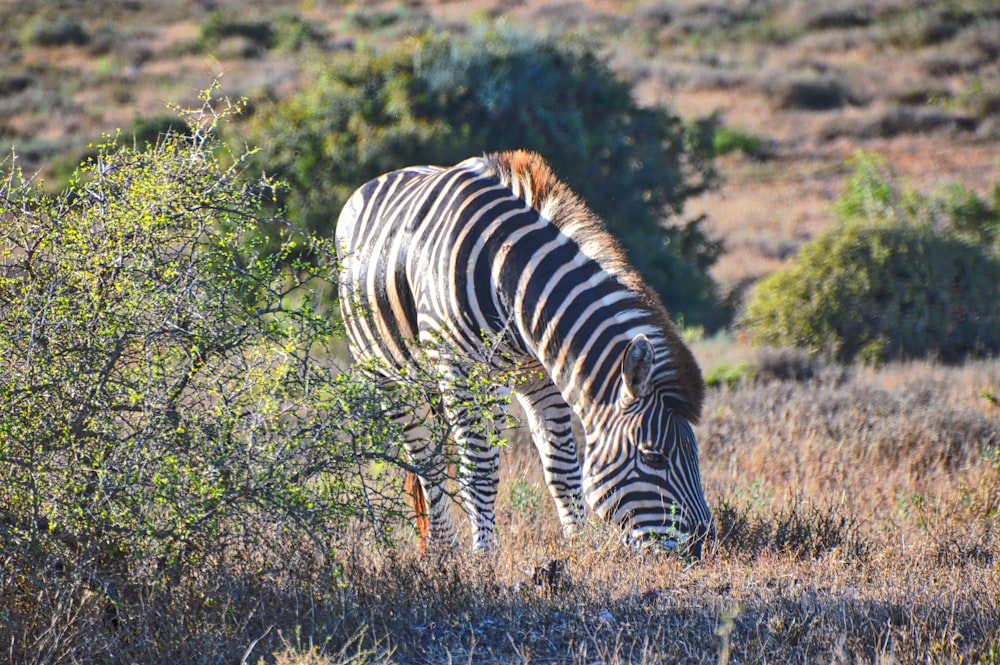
(497, 248)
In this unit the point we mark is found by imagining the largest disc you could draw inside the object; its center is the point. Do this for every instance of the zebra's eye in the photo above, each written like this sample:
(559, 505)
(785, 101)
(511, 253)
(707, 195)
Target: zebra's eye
(653, 458)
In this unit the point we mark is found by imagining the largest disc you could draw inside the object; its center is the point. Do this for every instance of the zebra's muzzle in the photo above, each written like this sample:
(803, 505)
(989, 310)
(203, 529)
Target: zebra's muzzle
(669, 539)
(666, 538)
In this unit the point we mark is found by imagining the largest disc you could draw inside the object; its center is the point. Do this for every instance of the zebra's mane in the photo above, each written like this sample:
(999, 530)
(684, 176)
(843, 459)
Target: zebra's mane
(531, 179)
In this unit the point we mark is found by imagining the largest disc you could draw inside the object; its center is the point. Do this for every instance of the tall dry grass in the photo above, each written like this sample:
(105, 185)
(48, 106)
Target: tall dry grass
(858, 521)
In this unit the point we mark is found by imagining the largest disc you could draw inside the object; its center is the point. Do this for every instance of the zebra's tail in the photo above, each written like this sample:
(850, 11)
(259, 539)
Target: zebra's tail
(418, 500)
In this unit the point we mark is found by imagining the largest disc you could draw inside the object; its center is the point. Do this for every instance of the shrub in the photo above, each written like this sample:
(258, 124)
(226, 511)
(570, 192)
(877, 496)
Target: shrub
(921, 28)
(809, 91)
(376, 19)
(293, 32)
(786, 364)
(972, 215)
(285, 30)
(144, 133)
(62, 31)
(841, 15)
(801, 530)
(150, 130)
(730, 139)
(165, 382)
(730, 375)
(219, 26)
(439, 100)
(869, 192)
(886, 283)
(15, 82)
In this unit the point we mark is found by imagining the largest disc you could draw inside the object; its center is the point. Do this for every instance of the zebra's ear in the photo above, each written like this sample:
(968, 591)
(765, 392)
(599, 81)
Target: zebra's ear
(637, 367)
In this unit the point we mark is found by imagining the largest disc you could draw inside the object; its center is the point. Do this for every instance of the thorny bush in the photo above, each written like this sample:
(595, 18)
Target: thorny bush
(167, 376)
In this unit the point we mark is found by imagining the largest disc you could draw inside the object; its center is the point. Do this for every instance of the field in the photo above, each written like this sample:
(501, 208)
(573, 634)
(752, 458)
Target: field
(858, 508)
(857, 515)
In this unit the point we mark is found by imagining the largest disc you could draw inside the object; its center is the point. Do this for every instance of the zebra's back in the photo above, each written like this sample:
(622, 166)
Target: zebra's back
(412, 243)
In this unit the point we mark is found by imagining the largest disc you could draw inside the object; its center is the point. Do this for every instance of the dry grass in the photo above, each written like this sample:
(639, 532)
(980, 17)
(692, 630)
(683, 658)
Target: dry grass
(858, 519)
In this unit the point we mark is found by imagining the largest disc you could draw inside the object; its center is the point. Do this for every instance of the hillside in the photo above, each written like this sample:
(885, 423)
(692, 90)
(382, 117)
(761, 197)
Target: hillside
(802, 87)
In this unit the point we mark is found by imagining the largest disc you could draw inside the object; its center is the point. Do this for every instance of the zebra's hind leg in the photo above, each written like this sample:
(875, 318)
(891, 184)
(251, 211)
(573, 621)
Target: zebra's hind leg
(478, 472)
(550, 420)
(462, 447)
(479, 480)
(428, 457)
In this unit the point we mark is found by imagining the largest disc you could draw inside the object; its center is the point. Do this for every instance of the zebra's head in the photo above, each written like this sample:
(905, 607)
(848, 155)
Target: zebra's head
(641, 467)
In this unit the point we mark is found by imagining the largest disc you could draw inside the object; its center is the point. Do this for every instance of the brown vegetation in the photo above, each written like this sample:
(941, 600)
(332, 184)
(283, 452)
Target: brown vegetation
(857, 518)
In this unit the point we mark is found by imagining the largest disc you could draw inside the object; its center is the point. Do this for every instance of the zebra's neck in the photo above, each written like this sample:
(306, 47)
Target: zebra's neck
(587, 369)
(573, 316)
(562, 280)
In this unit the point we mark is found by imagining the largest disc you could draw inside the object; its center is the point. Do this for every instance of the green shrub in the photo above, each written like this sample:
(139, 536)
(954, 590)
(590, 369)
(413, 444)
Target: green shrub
(730, 375)
(219, 26)
(834, 16)
(869, 192)
(810, 91)
(367, 18)
(919, 27)
(889, 282)
(12, 83)
(284, 30)
(144, 133)
(730, 139)
(61, 31)
(293, 32)
(164, 381)
(150, 130)
(971, 215)
(441, 99)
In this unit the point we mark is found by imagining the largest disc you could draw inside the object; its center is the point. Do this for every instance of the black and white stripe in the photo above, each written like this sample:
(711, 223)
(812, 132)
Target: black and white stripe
(497, 248)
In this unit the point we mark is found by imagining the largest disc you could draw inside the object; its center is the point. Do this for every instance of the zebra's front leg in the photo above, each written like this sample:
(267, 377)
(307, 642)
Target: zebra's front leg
(551, 422)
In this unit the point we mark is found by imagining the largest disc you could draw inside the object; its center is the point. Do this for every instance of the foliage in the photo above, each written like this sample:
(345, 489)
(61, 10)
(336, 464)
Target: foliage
(165, 382)
(286, 30)
(441, 99)
(805, 480)
(728, 139)
(800, 530)
(973, 216)
(893, 280)
(810, 91)
(369, 18)
(869, 191)
(218, 26)
(730, 375)
(60, 31)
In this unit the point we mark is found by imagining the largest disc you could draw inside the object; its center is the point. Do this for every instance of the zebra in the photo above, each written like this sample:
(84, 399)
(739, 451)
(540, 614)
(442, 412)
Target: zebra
(498, 245)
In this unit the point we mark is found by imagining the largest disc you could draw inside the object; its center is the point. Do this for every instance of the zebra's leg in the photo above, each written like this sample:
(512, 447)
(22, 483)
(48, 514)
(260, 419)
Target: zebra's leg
(550, 420)
(427, 454)
(479, 461)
